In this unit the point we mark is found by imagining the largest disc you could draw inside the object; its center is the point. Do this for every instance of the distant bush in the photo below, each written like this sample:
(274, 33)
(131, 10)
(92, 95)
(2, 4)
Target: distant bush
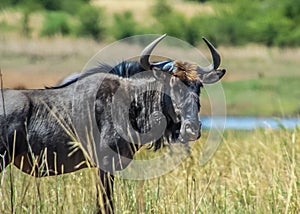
(25, 24)
(91, 22)
(237, 25)
(73, 6)
(229, 25)
(161, 8)
(199, 26)
(124, 25)
(51, 4)
(290, 34)
(55, 23)
(174, 24)
(200, 1)
(168, 20)
(69, 6)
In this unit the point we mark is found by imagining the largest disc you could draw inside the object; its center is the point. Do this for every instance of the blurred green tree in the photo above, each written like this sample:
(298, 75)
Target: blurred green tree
(92, 21)
(56, 22)
(168, 20)
(124, 25)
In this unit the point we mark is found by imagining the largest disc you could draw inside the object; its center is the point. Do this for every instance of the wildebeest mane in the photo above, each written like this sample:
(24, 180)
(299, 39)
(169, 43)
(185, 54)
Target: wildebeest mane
(123, 69)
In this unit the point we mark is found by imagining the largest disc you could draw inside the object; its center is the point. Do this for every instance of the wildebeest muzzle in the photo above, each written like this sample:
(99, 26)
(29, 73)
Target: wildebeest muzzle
(189, 131)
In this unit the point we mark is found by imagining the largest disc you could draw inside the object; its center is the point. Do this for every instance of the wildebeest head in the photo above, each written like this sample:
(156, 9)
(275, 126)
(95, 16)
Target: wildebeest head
(185, 80)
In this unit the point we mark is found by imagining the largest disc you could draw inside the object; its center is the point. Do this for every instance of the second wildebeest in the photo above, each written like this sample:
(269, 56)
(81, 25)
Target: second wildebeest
(110, 115)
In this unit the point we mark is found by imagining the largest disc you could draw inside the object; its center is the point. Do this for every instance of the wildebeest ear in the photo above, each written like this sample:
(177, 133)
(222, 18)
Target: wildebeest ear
(212, 77)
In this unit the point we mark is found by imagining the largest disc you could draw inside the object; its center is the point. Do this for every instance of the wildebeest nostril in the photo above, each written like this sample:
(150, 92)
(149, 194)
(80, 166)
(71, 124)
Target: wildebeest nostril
(191, 128)
(188, 126)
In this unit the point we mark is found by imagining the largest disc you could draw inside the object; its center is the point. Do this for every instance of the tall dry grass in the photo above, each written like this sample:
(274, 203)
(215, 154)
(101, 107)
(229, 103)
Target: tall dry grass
(252, 172)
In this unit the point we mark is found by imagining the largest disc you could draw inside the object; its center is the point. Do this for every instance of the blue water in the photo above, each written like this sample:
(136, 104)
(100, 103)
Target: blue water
(248, 123)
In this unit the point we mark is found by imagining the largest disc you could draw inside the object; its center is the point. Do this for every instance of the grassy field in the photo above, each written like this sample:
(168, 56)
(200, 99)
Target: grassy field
(252, 172)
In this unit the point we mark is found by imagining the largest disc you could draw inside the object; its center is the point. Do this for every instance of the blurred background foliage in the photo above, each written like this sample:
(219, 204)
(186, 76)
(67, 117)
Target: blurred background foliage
(231, 22)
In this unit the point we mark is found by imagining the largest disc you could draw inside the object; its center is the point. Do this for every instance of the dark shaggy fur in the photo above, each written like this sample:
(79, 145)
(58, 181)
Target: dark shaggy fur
(128, 69)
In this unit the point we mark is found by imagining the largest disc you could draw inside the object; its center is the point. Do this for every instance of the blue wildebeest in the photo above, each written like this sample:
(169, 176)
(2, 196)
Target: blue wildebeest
(39, 128)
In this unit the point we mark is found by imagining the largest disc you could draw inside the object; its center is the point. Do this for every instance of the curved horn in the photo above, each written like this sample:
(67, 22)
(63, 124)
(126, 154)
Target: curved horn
(215, 56)
(145, 55)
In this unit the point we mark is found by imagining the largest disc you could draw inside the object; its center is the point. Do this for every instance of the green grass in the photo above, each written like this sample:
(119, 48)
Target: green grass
(264, 97)
(6, 27)
(267, 96)
(252, 172)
